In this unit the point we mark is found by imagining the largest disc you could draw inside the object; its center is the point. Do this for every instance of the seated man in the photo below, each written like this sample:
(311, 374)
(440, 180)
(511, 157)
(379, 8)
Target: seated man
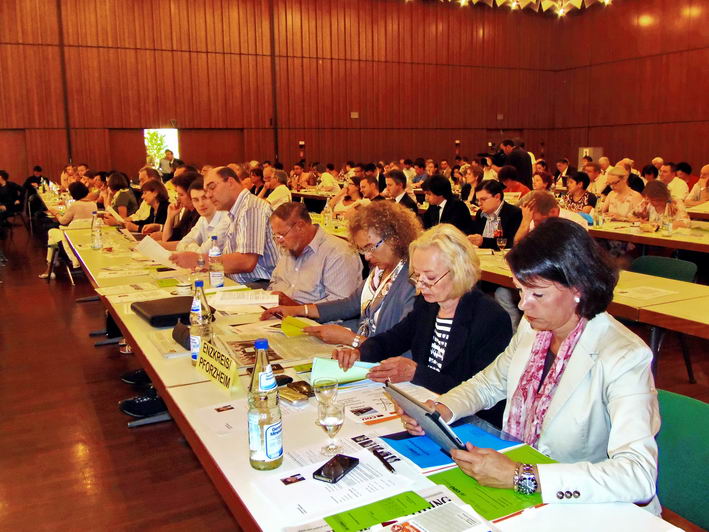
(495, 216)
(276, 192)
(369, 187)
(211, 222)
(182, 216)
(10, 197)
(540, 205)
(249, 253)
(314, 266)
(396, 187)
(508, 177)
(444, 208)
(700, 191)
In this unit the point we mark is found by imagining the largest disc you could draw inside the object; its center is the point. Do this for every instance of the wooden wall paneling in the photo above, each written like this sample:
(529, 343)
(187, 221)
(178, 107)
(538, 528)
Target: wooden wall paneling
(258, 144)
(91, 146)
(127, 150)
(695, 83)
(47, 148)
(13, 155)
(29, 21)
(212, 146)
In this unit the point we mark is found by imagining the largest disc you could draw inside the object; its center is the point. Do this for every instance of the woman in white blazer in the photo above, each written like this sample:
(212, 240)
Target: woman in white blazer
(578, 384)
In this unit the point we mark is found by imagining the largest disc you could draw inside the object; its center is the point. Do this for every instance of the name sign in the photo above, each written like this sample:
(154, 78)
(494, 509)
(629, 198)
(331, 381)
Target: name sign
(219, 368)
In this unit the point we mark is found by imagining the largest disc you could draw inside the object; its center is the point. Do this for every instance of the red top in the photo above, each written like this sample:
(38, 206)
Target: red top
(516, 186)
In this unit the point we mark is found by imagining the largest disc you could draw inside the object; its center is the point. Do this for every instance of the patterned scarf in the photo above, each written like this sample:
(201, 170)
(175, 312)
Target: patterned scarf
(529, 406)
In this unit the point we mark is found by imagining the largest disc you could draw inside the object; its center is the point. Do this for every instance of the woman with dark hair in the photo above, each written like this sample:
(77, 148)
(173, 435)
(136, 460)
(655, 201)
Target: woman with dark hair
(578, 199)
(578, 383)
(542, 181)
(119, 196)
(154, 194)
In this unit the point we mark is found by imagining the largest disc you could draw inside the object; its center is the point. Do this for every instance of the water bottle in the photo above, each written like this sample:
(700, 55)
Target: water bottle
(667, 220)
(96, 236)
(216, 268)
(264, 416)
(326, 215)
(200, 321)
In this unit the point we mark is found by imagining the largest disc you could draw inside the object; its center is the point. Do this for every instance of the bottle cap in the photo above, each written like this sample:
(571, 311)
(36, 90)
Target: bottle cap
(261, 343)
(93, 212)
(199, 283)
(214, 237)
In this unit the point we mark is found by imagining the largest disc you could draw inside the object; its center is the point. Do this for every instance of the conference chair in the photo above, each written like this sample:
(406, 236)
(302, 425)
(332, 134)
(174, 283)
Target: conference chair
(682, 483)
(669, 268)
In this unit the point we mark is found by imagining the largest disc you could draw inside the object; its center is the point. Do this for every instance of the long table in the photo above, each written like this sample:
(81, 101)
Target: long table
(699, 212)
(690, 239)
(225, 458)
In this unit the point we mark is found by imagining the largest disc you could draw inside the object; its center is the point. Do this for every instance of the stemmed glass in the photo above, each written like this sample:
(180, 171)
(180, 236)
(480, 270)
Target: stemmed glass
(325, 390)
(331, 416)
(501, 244)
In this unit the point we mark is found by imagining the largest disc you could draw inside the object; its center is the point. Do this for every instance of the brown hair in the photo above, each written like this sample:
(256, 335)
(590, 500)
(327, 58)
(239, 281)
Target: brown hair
(397, 225)
(157, 187)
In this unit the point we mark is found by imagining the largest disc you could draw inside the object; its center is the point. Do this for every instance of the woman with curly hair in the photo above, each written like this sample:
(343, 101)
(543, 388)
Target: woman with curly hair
(381, 231)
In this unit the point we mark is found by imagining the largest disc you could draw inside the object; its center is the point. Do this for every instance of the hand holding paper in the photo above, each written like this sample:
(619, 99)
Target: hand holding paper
(151, 249)
(327, 368)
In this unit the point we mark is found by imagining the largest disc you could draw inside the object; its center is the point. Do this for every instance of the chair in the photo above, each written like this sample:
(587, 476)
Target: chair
(682, 484)
(679, 270)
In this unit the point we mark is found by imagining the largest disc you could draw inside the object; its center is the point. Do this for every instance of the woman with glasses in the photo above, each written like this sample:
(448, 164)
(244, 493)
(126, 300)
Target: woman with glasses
(454, 330)
(578, 384)
(382, 232)
(621, 200)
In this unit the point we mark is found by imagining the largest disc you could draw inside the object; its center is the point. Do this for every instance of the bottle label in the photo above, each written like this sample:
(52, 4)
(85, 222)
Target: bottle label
(266, 380)
(195, 345)
(196, 306)
(273, 436)
(254, 434)
(216, 279)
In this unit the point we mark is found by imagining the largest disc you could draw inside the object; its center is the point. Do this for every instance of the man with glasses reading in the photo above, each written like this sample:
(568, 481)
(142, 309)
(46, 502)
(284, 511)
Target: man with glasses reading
(496, 218)
(313, 266)
(249, 253)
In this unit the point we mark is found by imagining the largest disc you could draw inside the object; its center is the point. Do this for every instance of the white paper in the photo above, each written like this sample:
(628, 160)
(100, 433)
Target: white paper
(152, 250)
(125, 289)
(167, 346)
(133, 297)
(446, 518)
(645, 292)
(113, 213)
(298, 495)
(116, 274)
(228, 299)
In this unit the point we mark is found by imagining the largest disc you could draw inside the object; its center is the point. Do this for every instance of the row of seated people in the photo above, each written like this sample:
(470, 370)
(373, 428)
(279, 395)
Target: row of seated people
(572, 381)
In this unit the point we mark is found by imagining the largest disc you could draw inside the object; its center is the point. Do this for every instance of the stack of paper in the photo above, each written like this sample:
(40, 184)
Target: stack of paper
(329, 368)
(239, 300)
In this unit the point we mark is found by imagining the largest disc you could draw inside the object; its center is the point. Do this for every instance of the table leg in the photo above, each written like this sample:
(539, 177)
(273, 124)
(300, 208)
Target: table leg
(657, 335)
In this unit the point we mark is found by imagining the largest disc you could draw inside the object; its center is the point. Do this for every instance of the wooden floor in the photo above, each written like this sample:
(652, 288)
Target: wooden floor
(67, 460)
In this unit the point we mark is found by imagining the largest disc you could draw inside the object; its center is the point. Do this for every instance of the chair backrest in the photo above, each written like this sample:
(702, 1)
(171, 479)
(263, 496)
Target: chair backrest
(680, 270)
(683, 442)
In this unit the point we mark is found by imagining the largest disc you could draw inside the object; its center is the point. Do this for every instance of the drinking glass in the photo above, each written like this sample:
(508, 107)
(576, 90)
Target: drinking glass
(501, 243)
(325, 390)
(331, 416)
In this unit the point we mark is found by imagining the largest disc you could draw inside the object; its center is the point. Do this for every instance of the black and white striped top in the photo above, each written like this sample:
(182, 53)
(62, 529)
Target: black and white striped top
(439, 343)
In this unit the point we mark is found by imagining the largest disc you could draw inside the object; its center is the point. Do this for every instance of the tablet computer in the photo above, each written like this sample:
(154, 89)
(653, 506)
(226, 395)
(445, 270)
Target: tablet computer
(430, 419)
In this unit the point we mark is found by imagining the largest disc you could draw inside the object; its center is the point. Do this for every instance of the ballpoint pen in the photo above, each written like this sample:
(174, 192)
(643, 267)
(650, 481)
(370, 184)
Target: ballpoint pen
(383, 461)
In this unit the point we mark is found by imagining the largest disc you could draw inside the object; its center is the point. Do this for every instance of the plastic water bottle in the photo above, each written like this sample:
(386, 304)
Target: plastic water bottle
(200, 321)
(96, 236)
(326, 215)
(264, 417)
(216, 268)
(667, 220)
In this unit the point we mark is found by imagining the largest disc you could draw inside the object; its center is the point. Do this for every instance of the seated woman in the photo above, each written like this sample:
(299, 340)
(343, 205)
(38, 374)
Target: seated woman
(578, 383)
(120, 197)
(622, 200)
(473, 177)
(382, 232)
(346, 200)
(181, 214)
(82, 209)
(454, 330)
(154, 194)
(577, 198)
(542, 181)
(656, 199)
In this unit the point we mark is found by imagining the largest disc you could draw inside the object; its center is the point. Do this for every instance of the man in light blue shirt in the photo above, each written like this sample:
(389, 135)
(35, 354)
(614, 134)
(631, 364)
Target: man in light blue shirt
(314, 266)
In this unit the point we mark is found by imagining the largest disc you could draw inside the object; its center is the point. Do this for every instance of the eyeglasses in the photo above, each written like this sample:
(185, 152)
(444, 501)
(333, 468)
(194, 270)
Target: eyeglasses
(368, 250)
(276, 236)
(416, 280)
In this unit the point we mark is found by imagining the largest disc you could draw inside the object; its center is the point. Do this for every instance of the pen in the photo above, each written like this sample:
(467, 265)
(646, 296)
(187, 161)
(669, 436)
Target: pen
(276, 314)
(383, 461)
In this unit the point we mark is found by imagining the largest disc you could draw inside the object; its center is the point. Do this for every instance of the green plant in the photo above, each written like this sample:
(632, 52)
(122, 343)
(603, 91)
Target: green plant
(155, 146)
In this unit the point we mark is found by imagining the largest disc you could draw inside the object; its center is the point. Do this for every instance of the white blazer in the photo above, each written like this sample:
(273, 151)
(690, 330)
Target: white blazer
(602, 419)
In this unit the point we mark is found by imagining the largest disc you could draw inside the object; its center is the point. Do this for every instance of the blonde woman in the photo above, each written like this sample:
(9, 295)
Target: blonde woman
(454, 330)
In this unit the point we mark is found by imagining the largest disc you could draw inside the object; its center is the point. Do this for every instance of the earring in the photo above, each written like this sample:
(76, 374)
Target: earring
(577, 299)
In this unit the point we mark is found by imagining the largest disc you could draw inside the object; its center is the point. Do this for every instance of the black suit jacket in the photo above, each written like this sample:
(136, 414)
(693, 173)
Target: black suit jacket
(465, 192)
(510, 218)
(406, 201)
(571, 171)
(455, 212)
(481, 331)
(521, 160)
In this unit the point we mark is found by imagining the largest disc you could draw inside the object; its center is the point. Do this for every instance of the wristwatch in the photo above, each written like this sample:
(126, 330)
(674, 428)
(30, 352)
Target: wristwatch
(525, 481)
(357, 341)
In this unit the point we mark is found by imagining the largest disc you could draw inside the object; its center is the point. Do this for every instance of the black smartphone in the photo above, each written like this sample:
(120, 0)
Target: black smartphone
(336, 468)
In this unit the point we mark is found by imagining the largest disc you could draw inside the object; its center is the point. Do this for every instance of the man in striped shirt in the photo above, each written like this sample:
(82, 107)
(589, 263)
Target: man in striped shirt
(249, 253)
